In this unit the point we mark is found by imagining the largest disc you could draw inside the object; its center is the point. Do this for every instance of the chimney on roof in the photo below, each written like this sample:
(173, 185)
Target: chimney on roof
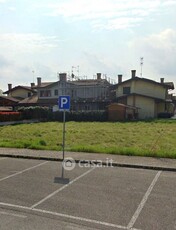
(63, 77)
(32, 85)
(98, 76)
(133, 73)
(162, 80)
(119, 78)
(39, 81)
(9, 86)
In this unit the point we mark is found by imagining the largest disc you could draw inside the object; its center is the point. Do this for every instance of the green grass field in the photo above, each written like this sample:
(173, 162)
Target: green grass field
(155, 138)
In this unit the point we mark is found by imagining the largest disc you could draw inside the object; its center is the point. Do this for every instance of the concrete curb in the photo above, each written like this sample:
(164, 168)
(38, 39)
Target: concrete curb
(114, 164)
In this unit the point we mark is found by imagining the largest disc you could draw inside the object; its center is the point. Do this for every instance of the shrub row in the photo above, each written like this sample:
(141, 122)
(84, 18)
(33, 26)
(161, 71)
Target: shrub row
(165, 115)
(46, 114)
(33, 112)
(10, 116)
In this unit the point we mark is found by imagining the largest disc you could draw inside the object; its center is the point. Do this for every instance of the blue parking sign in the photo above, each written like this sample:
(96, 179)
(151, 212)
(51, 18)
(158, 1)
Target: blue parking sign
(64, 102)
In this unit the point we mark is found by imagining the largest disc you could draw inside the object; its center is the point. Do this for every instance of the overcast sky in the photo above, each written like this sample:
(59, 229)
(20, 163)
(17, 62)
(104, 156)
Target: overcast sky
(43, 37)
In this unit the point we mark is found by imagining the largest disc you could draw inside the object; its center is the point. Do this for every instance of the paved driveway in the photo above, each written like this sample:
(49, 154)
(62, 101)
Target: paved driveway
(37, 194)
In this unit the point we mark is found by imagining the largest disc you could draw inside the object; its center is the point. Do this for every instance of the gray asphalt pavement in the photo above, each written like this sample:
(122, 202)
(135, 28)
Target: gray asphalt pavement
(41, 194)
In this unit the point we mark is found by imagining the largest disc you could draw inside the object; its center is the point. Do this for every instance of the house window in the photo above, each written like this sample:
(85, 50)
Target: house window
(45, 93)
(126, 90)
(48, 93)
(42, 93)
(56, 92)
(29, 94)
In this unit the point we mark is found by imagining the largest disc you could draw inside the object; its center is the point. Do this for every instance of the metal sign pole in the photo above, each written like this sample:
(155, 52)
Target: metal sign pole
(63, 144)
(64, 105)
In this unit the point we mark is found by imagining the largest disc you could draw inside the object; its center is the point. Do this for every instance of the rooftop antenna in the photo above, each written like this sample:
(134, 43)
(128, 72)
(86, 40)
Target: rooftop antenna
(33, 72)
(73, 75)
(141, 63)
(78, 70)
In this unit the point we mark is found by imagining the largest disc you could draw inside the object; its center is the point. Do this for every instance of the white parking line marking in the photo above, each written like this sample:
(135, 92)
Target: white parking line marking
(144, 200)
(66, 216)
(15, 206)
(80, 219)
(12, 214)
(25, 170)
(62, 188)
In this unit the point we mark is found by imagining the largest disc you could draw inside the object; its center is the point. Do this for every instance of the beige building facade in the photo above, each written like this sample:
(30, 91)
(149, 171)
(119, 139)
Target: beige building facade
(19, 92)
(149, 96)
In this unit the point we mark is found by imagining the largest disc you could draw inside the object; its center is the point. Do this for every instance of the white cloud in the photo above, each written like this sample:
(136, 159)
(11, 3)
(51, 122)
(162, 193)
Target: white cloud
(21, 53)
(169, 3)
(159, 51)
(166, 40)
(12, 8)
(83, 9)
(106, 49)
(19, 72)
(108, 12)
(122, 23)
(4, 62)
(27, 42)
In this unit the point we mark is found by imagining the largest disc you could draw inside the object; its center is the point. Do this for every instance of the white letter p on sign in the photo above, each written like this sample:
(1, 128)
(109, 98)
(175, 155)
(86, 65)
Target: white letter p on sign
(64, 101)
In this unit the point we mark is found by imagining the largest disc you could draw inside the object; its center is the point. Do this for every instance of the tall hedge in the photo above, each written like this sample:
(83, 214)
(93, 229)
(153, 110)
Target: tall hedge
(46, 114)
(34, 112)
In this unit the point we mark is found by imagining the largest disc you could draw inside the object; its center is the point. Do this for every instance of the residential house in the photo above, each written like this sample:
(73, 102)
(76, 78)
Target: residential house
(149, 96)
(19, 92)
(135, 98)
(15, 95)
(46, 94)
(86, 94)
(90, 94)
(7, 103)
